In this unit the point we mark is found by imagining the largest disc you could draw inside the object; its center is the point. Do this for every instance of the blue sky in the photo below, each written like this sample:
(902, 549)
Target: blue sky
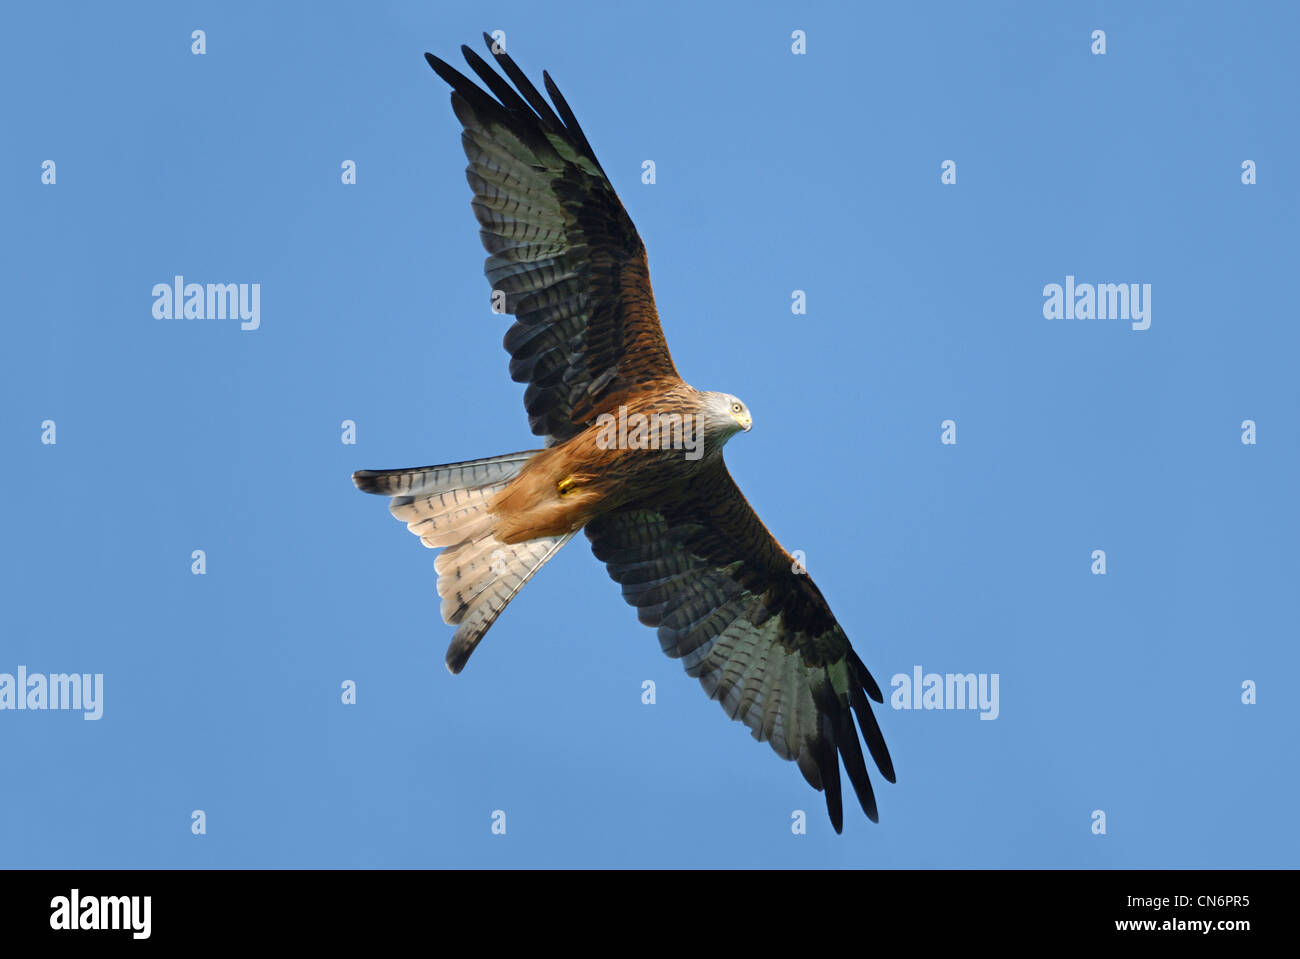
(774, 172)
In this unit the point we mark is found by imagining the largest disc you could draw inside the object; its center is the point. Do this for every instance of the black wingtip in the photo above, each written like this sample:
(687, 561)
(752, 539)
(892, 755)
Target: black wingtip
(855, 763)
(444, 69)
(864, 676)
(871, 733)
(491, 46)
(873, 690)
(828, 761)
(880, 753)
(887, 770)
(835, 807)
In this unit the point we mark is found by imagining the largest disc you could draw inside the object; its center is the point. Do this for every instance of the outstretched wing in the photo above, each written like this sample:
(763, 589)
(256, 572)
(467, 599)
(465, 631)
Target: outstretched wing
(729, 601)
(563, 251)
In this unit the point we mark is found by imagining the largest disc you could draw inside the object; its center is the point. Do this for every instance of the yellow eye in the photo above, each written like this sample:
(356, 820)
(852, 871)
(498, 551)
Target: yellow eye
(735, 407)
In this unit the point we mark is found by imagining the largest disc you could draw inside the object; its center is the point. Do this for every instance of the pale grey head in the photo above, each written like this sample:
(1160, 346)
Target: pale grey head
(722, 416)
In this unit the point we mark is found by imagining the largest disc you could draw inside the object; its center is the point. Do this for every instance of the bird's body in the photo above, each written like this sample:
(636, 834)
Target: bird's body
(633, 454)
(562, 488)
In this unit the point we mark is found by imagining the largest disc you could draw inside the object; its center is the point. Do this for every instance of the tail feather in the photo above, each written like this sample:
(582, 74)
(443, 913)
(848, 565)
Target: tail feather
(477, 612)
(466, 519)
(470, 554)
(465, 569)
(448, 506)
(436, 479)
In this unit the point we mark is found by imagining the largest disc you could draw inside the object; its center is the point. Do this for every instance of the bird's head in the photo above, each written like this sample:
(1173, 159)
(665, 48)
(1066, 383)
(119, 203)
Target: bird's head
(725, 416)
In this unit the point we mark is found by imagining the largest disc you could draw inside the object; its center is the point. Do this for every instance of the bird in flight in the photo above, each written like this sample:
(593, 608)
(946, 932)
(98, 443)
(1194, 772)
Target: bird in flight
(632, 455)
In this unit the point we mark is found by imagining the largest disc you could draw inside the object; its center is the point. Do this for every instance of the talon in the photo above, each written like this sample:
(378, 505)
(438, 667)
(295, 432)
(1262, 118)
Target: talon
(567, 485)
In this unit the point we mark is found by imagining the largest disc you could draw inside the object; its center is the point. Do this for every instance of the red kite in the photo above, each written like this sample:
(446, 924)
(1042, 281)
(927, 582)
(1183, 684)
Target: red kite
(633, 454)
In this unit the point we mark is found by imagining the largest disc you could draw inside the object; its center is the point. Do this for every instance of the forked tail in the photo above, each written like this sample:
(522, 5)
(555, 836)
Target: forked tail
(447, 507)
